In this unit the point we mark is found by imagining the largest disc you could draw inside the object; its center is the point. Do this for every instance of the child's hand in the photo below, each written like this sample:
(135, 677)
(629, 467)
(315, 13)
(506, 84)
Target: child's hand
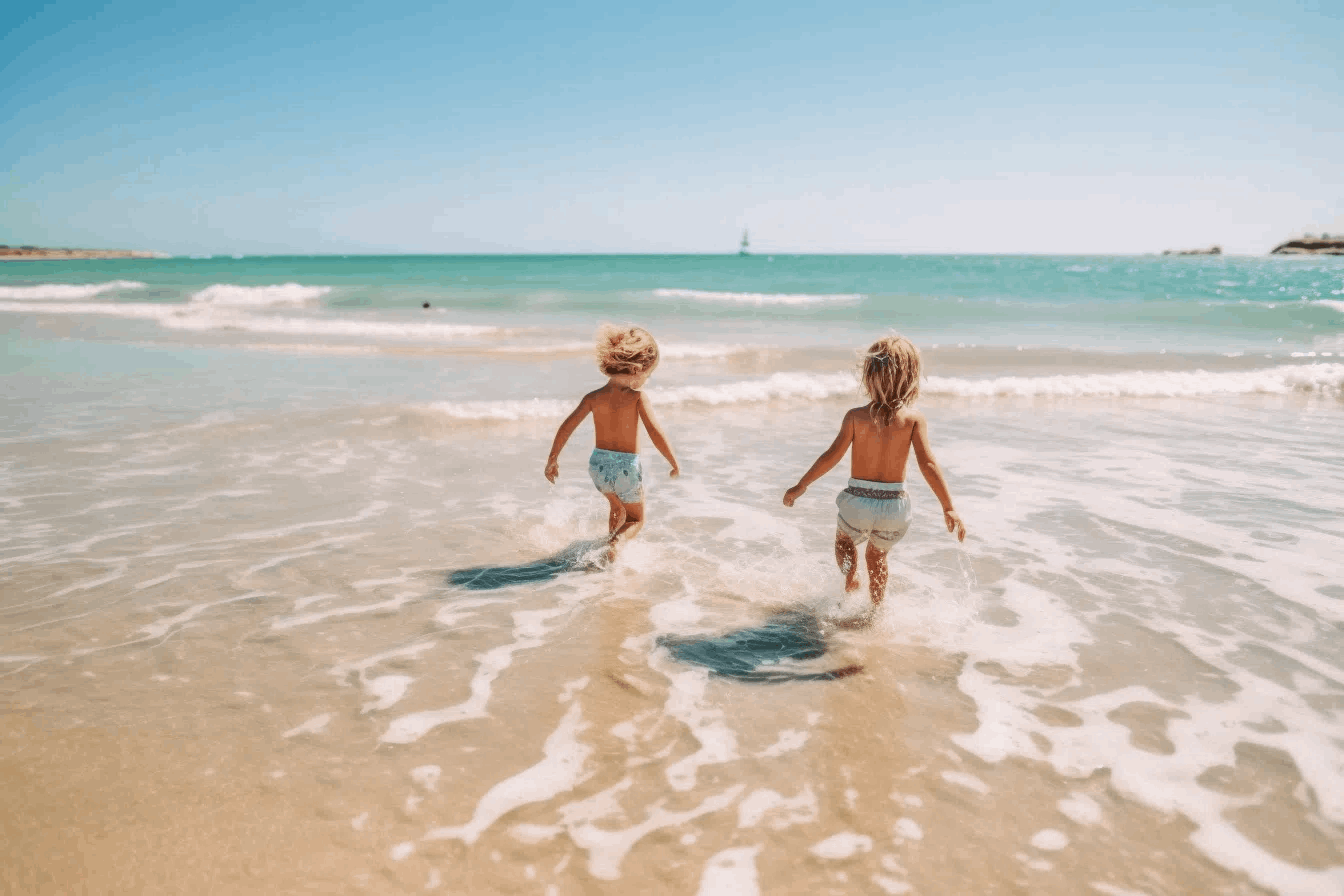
(793, 494)
(552, 469)
(674, 472)
(954, 524)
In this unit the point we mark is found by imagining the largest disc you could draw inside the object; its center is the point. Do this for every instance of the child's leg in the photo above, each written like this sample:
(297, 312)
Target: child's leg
(877, 572)
(616, 518)
(847, 558)
(633, 522)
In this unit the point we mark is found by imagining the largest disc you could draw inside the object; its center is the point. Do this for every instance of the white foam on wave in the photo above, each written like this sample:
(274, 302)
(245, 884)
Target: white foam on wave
(544, 348)
(233, 295)
(776, 386)
(529, 631)
(777, 810)
(731, 872)
(316, 725)
(607, 849)
(560, 770)
(206, 317)
(1205, 729)
(1320, 378)
(325, 326)
(759, 298)
(66, 291)
(668, 351)
(844, 845)
(1331, 303)
(686, 702)
(1080, 809)
(1283, 379)
(705, 350)
(1049, 840)
(170, 624)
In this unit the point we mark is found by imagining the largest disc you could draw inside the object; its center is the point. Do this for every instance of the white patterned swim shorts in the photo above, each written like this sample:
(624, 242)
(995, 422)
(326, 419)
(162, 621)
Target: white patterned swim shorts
(617, 473)
(876, 512)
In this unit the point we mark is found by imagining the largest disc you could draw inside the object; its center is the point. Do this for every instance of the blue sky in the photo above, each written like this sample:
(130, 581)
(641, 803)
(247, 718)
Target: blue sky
(1004, 127)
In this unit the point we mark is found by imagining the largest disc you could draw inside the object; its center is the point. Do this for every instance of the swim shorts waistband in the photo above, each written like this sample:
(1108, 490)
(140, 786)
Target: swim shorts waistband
(614, 454)
(882, 491)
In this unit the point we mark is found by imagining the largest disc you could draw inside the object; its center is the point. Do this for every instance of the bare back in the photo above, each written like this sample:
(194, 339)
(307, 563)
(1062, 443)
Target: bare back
(879, 453)
(616, 413)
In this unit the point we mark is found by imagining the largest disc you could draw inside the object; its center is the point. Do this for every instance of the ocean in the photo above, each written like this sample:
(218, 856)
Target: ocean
(288, 605)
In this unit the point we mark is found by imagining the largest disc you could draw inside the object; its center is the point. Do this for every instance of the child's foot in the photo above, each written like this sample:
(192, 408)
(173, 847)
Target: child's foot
(851, 584)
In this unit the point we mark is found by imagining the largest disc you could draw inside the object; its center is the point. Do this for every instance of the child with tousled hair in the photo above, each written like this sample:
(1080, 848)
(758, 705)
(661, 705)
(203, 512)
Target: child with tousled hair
(876, 507)
(627, 356)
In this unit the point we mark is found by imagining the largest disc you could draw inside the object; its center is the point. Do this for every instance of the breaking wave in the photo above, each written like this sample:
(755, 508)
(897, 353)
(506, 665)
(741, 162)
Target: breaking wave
(1323, 379)
(1283, 379)
(199, 318)
(66, 291)
(231, 295)
(758, 298)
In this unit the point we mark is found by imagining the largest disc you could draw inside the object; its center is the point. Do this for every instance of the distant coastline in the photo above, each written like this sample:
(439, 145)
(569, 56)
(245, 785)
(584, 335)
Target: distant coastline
(1212, 250)
(36, 253)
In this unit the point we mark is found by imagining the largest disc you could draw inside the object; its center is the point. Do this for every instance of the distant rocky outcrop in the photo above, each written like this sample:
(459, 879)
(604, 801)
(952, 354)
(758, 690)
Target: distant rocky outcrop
(1212, 250)
(21, 253)
(1325, 244)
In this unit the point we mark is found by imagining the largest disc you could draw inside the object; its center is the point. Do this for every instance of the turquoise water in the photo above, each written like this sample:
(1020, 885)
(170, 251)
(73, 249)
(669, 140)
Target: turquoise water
(1115, 303)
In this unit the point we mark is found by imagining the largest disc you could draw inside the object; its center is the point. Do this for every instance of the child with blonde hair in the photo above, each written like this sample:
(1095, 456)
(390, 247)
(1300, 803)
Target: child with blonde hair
(627, 356)
(876, 507)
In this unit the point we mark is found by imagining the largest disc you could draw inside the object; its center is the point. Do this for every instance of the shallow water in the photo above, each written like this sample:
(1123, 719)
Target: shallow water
(283, 616)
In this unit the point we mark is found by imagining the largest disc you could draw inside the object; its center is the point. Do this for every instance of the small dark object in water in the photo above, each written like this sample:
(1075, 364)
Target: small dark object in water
(577, 557)
(791, 635)
(426, 305)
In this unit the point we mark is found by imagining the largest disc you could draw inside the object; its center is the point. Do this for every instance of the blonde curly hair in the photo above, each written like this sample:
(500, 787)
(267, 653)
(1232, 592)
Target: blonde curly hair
(625, 350)
(890, 372)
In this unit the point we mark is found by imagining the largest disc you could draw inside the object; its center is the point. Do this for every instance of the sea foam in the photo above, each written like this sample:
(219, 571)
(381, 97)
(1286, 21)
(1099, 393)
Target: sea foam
(315, 326)
(1322, 379)
(206, 317)
(66, 291)
(1285, 378)
(758, 298)
(668, 351)
(236, 296)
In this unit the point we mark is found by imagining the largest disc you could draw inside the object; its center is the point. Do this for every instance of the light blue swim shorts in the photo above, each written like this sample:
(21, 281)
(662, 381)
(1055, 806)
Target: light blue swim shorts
(876, 512)
(617, 473)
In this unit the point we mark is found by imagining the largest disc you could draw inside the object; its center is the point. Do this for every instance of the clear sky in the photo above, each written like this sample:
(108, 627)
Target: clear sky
(824, 127)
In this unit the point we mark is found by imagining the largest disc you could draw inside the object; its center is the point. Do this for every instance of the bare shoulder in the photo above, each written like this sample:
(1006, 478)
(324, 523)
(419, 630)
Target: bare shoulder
(854, 415)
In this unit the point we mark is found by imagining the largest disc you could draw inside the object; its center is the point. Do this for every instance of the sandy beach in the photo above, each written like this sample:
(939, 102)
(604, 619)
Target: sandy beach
(289, 606)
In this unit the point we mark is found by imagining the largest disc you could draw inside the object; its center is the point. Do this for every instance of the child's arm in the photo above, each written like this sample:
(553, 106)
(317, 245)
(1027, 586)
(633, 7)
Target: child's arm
(829, 458)
(933, 475)
(562, 435)
(656, 434)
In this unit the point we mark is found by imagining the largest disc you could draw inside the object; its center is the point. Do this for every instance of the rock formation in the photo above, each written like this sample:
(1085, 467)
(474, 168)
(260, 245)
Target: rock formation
(1212, 250)
(1311, 245)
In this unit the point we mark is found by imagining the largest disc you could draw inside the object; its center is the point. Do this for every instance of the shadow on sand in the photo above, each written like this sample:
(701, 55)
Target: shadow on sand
(581, 556)
(791, 636)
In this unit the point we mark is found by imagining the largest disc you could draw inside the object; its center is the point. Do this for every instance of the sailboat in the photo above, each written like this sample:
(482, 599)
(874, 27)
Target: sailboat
(745, 248)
